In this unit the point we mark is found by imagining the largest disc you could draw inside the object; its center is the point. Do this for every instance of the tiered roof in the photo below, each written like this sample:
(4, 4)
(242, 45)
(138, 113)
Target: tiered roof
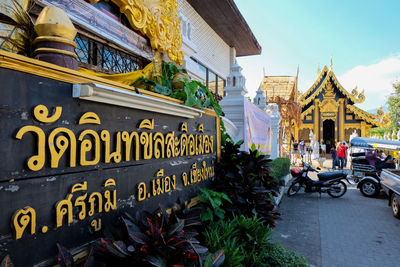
(327, 76)
(284, 87)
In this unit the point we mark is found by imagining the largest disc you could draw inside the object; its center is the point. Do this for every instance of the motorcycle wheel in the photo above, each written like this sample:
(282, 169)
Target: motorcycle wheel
(293, 189)
(337, 189)
(369, 189)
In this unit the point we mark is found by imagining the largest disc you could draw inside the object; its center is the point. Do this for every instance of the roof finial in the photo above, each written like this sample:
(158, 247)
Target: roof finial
(263, 71)
(331, 62)
(319, 70)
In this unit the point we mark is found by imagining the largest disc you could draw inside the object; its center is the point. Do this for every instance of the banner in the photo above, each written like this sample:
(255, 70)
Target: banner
(257, 128)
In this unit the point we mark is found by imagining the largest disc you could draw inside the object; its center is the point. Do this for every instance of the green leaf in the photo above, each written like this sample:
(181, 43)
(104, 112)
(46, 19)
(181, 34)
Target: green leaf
(206, 216)
(162, 90)
(191, 99)
(220, 213)
(239, 143)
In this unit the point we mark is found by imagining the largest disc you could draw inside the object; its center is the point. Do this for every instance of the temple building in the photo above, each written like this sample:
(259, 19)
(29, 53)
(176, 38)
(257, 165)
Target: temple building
(330, 112)
(282, 90)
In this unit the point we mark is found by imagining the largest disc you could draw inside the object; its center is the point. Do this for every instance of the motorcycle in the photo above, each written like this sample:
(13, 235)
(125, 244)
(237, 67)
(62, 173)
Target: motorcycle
(328, 182)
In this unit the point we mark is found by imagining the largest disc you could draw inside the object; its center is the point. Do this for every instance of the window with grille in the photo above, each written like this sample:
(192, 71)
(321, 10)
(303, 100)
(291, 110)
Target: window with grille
(101, 57)
(213, 81)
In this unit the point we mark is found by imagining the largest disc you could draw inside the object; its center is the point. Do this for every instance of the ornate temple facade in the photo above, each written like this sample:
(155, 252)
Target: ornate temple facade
(329, 111)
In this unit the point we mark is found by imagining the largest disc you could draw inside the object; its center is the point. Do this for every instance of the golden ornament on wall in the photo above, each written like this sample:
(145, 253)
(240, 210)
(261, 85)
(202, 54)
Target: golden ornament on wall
(158, 20)
(329, 90)
(329, 105)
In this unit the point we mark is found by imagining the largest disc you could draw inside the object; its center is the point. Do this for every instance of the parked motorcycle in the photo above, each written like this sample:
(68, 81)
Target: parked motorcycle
(328, 182)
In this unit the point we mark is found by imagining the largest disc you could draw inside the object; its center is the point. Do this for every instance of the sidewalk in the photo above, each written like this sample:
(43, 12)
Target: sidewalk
(349, 231)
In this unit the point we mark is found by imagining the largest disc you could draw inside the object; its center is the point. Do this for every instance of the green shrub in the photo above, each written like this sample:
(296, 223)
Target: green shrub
(212, 203)
(279, 168)
(244, 240)
(279, 256)
(244, 177)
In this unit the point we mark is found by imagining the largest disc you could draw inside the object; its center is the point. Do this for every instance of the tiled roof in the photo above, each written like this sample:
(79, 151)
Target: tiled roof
(282, 86)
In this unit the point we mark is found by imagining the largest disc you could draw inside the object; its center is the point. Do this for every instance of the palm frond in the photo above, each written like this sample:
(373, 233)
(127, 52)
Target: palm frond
(23, 34)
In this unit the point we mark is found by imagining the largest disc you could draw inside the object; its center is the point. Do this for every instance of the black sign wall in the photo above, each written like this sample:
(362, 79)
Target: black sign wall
(68, 166)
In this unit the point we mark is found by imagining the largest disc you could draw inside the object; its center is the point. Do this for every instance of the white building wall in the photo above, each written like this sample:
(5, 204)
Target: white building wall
(210, 49)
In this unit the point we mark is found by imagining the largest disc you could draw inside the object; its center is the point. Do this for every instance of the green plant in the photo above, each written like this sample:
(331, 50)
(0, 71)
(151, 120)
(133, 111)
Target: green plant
(21, 37)
(212, 203)
(158, 239)
(279, 168)
(194, 93)
(243, 240)
(278, 256)
(244, 177)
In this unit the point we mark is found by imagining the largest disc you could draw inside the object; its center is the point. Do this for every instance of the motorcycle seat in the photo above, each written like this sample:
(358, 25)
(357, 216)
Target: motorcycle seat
(330, 175)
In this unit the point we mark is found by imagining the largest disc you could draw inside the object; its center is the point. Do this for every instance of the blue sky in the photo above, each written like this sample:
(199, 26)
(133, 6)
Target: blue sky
(362, 36)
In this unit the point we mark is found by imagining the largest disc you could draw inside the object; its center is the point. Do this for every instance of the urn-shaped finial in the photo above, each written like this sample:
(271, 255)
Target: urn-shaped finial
(55, 42)
(53, 21)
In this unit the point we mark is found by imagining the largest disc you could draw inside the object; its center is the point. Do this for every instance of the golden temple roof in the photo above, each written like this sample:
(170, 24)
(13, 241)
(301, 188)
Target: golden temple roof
(326, 78)
(282, 86)
(321, 82)
(380, 120)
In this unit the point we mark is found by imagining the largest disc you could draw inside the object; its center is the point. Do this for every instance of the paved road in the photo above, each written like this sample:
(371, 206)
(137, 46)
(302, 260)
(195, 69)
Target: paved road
(349, 231)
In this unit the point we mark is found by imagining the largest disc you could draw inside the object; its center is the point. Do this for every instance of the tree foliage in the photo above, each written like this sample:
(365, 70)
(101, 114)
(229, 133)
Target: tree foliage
(394, 107)
(394, 114)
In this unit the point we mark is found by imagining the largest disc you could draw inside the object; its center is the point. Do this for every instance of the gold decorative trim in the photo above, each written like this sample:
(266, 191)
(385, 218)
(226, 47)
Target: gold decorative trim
(329, 105)
(352, 125)
(307, 126)
(54, 39)
(354, 96)
(21, 63)
(159, 21)
(218, 138)
(321, 74)
(55, 51)
(17, 62)
(307, 111)
(328, 118)
(383, 119)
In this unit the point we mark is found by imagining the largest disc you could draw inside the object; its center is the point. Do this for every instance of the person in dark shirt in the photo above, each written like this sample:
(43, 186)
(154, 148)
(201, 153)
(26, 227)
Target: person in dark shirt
(334, 154)
(295, 146)
(388, 163)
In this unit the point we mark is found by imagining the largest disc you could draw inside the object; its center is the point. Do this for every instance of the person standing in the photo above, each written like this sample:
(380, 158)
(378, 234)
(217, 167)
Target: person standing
(295, 151)
(334, 155)
(302, 147)
(323, 148)
(341, 152)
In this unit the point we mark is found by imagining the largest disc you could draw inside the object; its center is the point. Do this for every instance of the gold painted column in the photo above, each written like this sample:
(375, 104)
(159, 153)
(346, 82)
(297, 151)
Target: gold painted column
(367, 128)
(341, 119)
(316, 119)
(363, 130)
(296, 132)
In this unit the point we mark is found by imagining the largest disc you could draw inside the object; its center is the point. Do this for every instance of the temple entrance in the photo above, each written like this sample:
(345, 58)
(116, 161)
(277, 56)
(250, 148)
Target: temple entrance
(329, 134)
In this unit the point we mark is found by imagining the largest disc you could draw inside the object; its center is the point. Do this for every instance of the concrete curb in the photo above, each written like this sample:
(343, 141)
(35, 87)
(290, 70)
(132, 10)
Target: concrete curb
(282, 189)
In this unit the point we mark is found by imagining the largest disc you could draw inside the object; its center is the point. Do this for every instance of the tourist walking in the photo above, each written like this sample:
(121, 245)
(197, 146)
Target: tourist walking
(334, 155)
(341, 153)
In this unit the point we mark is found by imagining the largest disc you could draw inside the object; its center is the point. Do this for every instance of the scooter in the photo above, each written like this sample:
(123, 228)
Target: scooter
(328, 182)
